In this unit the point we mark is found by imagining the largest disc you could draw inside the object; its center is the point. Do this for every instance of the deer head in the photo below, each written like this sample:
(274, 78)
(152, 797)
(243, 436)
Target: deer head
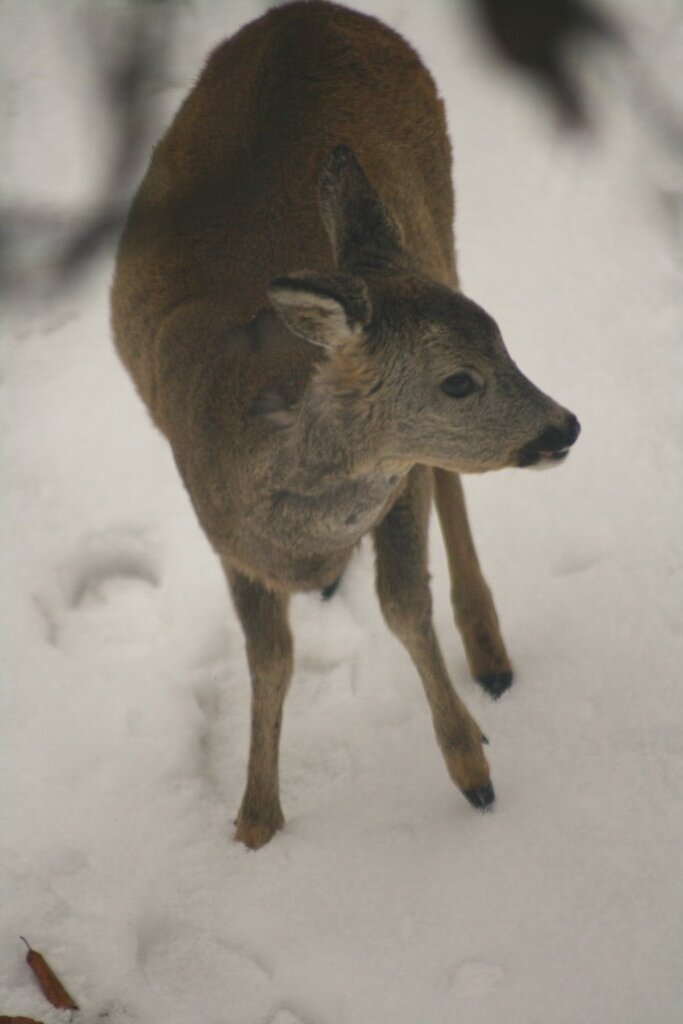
(414, 372)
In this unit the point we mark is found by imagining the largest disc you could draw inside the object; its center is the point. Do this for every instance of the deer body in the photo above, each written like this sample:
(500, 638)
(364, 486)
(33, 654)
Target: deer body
(309, 407)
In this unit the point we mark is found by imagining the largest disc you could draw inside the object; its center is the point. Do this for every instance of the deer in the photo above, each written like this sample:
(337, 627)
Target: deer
(287, 303)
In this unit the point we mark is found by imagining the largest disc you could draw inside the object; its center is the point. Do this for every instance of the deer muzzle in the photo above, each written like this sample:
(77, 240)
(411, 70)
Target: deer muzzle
(552, 445)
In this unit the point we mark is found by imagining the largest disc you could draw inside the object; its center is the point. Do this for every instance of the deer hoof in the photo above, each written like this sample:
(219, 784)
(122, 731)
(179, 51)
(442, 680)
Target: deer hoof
(255, 834)
(481, 798)
(495, 683)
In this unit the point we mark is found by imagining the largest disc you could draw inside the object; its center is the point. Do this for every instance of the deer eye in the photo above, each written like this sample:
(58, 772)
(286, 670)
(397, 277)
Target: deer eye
(460, 385)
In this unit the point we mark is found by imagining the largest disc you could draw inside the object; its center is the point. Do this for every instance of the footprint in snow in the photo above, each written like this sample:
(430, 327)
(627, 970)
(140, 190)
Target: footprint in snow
(198, 971)
(123, 554)
(106, 594)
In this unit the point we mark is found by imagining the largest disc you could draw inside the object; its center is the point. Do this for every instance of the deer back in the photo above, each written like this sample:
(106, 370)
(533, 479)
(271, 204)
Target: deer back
(230, 200)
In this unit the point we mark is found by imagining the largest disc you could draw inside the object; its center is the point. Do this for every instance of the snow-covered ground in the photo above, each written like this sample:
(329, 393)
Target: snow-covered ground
(124, 707)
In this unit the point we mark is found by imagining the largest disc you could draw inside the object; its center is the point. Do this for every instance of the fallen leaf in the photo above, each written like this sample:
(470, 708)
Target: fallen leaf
(18, 1020)
(50, 985)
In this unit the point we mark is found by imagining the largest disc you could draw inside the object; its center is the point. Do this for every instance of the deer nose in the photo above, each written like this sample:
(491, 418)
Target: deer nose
(573, 430)
(553, 444)
(554, 440)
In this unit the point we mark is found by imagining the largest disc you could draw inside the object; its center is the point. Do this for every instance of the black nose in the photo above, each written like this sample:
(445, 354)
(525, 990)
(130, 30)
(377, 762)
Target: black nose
(573, 430)
(555, 439)
(552, 444)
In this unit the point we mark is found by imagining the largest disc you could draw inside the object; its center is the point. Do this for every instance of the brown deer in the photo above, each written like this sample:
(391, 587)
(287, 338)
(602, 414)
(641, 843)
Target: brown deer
(307, 408)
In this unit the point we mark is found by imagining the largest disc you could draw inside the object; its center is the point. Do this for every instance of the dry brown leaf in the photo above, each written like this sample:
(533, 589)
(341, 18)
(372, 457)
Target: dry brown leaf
(18, 1020)
(50, 985)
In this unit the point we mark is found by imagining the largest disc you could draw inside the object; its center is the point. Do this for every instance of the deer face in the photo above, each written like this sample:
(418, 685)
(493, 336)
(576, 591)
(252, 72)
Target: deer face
(426, 373)
(421, 367)
(458, 399)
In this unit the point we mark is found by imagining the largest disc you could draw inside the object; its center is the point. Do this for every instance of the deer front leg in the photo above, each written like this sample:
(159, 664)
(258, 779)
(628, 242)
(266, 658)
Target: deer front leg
(475, 613)
(403, 589)
(263, 614)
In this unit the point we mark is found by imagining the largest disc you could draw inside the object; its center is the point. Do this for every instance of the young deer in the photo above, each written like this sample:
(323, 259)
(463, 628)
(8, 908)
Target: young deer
(307, 408)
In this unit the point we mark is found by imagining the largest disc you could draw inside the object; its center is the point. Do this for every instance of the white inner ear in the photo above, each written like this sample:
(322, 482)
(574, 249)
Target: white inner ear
(325, 305)
(318, 318)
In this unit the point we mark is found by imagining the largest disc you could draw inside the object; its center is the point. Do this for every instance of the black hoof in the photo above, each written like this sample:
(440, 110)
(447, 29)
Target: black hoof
(330, 590)
(481, 798)
(495, 683)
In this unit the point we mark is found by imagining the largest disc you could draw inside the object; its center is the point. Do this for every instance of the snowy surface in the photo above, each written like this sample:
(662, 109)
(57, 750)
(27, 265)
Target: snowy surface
(124, 704)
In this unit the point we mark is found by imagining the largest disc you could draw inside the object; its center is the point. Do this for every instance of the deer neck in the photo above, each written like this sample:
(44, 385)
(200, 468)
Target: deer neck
(334, 440)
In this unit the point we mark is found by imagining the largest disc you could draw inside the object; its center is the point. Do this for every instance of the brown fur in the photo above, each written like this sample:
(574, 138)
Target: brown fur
(304, 409)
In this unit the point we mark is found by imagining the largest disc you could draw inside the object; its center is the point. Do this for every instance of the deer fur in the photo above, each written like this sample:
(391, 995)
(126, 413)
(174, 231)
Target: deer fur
(287, 303)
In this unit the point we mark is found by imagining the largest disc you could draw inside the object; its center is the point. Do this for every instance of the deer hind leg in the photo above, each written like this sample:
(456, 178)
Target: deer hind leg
(263, 614)
(475, 613)
(403, 590)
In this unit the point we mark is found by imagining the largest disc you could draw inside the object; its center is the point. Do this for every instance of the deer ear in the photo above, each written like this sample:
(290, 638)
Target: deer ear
(362, 231)
(328, 311)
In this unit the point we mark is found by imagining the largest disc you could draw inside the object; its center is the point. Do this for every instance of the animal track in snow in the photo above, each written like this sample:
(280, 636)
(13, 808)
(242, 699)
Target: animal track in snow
(115, 554)
(105, 593)
(195, 969)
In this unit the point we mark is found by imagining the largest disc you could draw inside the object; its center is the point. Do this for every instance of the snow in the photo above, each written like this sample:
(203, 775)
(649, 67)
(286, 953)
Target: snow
(125, 702)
